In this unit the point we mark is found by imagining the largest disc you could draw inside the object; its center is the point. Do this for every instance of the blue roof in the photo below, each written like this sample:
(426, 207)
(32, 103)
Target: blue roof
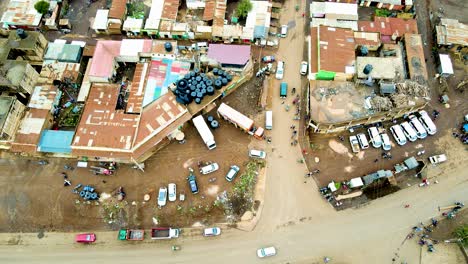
(56, 141)
(259, 32)
(465, 127)
(63, 52)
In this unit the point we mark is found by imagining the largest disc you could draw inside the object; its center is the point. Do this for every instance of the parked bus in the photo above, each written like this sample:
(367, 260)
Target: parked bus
(269, 120)
(235, 117)
(204, 132)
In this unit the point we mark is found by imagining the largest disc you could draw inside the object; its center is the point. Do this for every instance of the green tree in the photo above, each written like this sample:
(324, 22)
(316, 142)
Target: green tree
(243, 8)
(42, 7)
(462, 233)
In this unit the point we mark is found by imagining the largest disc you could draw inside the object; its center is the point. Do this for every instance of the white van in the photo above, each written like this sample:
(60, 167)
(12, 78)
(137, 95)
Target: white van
(420, 131)
(427, 123)
(269, 120)
(362, 140)
(209, 168)
(374, 137)
(398, 134)
(409, 132)
(386, 145)
(284, 31)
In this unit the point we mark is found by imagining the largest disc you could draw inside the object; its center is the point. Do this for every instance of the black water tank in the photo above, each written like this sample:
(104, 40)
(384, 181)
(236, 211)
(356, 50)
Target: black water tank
(224, 81)
(203, 91)
(196, 70)
(187, 91)
(218, 84)
(187, 76)
(210, 90)
(203, 75)
(21, 33)
(193, 94)
(209, 118)
(168, 46)
(200, 95)
(209, 82)
(215, 71)
(192, 74)
(198, 100)
(229, 77)
(182, 83)
(220, 72)
(199, 78)
(367, 69)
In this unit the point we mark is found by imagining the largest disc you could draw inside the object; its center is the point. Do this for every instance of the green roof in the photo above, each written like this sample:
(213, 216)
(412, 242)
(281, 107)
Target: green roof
(63, 52)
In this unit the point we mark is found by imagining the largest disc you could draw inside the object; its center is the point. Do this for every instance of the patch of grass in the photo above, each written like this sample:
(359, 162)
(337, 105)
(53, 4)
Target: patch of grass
(382, 12)
(462, 233)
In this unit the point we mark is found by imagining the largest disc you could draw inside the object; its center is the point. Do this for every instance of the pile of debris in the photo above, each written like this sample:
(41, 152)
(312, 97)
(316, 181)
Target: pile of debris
(380, 103)
(399, 100)
(413, 88)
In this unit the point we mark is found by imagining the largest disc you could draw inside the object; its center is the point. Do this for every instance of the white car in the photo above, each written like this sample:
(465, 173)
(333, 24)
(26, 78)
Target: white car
(212, 231)
(209, 168)
(257, 154)
(280, 70)
(304, 66)
(172, 192)
(374, 136)
(362, 140)
(162, 197)
(284, 31)
(386, 142)
(418, 127)
(266, 252)
(438, 159)
(427, 123)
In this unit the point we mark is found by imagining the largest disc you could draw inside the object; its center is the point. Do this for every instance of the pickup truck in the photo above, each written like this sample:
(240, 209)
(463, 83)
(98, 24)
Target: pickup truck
(131, 234)
(437, 159)
(354, 143)
(164, 233)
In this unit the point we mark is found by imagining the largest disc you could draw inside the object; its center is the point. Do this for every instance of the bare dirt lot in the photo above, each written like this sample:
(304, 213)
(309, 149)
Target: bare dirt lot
(35, 199)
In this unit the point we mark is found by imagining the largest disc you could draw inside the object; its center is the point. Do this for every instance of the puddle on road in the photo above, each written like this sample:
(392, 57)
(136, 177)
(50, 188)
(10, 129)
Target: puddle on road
(338, 147)
(213, 190)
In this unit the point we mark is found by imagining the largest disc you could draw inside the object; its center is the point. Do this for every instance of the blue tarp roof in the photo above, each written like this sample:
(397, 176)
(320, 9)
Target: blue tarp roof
(411, 163)
(260, 32)
(465, 127)
(56, 141)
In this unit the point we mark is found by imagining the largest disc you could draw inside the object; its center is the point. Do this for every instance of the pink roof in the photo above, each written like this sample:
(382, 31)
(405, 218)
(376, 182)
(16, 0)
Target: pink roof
(229, 54)
(103, 58)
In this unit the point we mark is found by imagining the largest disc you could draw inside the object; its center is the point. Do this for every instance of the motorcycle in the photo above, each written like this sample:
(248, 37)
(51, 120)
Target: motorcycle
(43, 162)
(293, 91)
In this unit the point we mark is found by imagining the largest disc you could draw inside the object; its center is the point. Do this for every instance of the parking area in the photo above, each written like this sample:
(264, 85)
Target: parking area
(35, 198)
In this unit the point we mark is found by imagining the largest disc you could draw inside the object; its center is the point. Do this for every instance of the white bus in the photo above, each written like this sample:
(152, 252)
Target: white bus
(204, 132)
(269, 120)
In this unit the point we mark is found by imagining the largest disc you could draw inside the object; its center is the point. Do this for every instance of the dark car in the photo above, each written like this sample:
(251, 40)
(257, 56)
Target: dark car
(192, 181)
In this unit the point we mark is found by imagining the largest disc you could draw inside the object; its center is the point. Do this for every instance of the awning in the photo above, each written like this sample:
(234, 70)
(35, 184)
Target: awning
(356, 182)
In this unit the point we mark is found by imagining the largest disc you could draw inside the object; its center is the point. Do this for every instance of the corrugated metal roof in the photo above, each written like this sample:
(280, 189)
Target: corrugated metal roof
(367, 38)
(337, 49)
(415, 56)
(229, 54)
(208, 12)
(103, 58)
(21, 13)
(315, 22)
(387, 26)
(451, 31)
(55, 141)
(63, 52)
(100, 116)
(118, 9)
(170, 9)
(333, 10)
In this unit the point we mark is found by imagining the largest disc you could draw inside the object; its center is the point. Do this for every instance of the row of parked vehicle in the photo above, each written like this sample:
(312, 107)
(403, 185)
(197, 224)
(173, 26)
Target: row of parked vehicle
(417, 126)
(170, 192)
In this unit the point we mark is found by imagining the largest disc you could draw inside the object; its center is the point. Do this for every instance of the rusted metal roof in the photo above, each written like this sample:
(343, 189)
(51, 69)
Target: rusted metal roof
(451, 31)
(415, 55)
(388, 26)
(118, 9)
(208, 13)
(157, 115)
(101, 125)
(170, 9)
(337, 49)
(136, 88)
(367, 38)
(218, 20)
(29, 132)
(59, 71)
